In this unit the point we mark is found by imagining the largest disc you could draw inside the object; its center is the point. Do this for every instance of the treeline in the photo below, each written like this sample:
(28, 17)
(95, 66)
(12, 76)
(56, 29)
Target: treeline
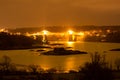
(13, 41)
(64, 28)
(96, 69)
(109, 37)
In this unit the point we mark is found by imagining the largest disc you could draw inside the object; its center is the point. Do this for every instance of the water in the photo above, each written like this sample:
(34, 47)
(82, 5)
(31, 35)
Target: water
(70, 62)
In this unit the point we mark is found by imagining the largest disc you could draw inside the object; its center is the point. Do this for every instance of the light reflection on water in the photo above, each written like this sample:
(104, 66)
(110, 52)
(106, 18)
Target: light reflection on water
(70, 62)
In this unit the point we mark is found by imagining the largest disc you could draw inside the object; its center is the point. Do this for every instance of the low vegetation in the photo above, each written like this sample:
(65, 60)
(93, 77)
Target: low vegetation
(96, 69)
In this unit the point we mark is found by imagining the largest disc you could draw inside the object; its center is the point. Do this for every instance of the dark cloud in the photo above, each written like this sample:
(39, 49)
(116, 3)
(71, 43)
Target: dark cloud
(25, 13)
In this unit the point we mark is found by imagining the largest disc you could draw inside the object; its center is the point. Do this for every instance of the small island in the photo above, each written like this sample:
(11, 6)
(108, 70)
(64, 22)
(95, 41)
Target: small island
(117, 49)
(62, 51)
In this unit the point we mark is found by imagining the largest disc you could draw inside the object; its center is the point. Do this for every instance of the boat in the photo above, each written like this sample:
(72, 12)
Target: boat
(63, 51)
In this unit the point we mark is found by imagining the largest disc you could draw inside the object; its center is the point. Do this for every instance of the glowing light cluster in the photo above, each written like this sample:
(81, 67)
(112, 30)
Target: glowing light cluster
(3, 30)
(45, 32)
(36, 34)
(81, 33)
(70, 32)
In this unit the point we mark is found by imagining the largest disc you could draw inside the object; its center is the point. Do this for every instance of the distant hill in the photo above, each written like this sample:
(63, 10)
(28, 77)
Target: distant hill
(64, 28)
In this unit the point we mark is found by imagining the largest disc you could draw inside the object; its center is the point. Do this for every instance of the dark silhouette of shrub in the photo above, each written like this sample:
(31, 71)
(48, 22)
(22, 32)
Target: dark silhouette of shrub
(35, 69)
(51, 70)
(6, 66)
(117, 64)
(97, 69)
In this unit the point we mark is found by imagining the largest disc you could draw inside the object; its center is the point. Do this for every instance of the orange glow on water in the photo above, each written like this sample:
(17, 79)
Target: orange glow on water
(70, 62)
(70, 44)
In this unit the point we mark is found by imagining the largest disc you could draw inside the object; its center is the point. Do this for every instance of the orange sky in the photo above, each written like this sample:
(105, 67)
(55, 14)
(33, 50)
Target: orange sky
(30, 13)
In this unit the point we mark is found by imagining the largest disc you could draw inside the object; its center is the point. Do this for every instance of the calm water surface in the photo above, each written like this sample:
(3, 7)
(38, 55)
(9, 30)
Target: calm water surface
(70, 62)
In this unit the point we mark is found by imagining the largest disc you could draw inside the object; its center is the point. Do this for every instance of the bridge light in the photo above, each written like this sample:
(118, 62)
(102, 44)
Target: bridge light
(45, 32)
(81, 33)
(36, 34)
(70, 32)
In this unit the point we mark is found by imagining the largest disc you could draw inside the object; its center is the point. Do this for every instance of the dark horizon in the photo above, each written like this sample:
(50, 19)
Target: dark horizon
(63, 28)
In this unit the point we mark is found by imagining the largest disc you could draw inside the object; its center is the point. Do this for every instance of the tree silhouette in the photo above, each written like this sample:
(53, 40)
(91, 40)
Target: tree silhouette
(6, 65)
(97, 69)
(117, 63)
(8, 41)
(33, 68)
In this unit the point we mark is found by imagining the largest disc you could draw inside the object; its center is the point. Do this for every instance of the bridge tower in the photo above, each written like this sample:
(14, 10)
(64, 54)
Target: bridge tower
(72, 36)
(44, 39)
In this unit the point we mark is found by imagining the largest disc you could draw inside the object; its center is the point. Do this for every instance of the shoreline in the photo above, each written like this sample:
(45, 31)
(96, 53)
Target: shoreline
(24, 48)
(43, 46)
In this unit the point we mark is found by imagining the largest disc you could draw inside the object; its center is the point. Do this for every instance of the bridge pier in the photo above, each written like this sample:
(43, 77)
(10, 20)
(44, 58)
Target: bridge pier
(72, 37)
(45, 40)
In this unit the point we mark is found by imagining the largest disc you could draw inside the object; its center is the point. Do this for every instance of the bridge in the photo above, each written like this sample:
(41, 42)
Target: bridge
(68, 35)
